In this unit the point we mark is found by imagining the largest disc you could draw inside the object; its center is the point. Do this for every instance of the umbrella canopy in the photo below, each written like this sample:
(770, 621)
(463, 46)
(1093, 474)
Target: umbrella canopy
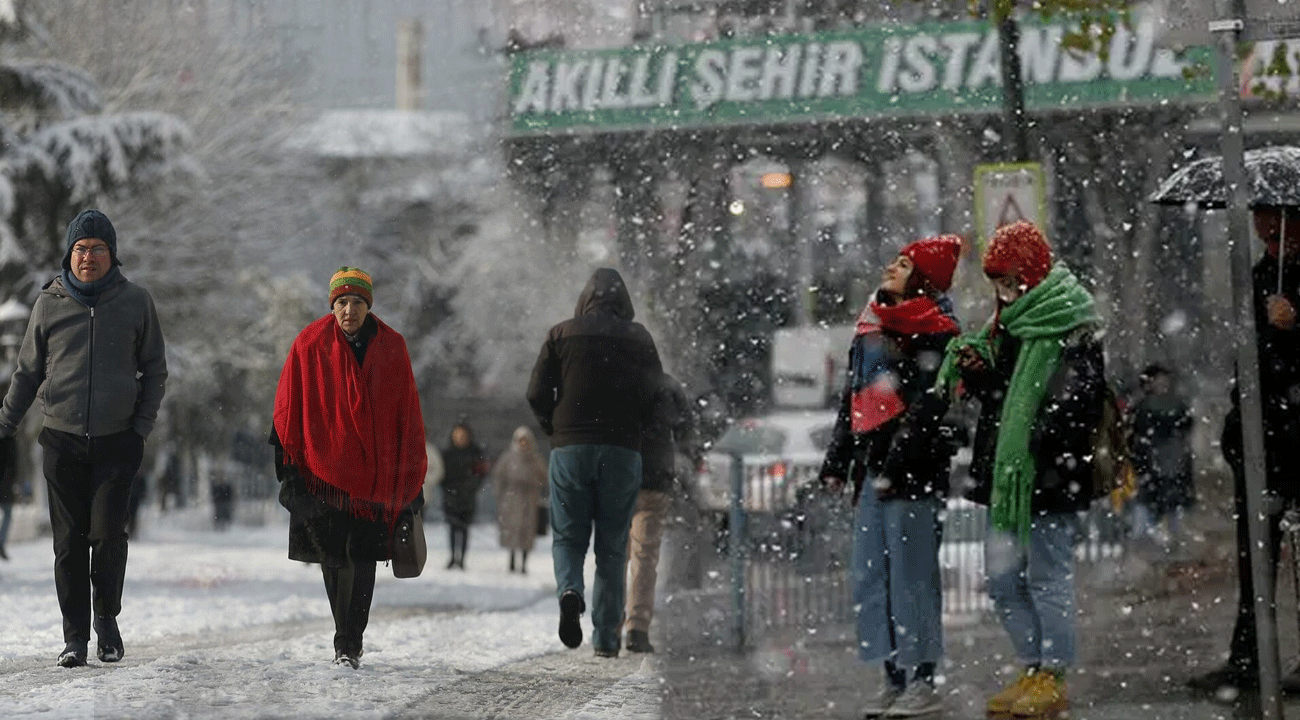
(1273, 174)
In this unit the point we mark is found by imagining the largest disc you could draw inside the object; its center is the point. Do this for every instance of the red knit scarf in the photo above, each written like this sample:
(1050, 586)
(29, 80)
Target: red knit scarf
(354, 432)
(918, 316)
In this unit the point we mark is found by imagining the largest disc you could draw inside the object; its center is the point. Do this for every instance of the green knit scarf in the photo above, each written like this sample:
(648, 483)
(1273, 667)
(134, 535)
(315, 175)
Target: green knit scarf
(1040, 319)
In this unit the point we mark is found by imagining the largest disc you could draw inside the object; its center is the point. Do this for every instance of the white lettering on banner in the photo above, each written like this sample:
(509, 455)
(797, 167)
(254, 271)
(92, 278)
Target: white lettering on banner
(592, 86)
(1079, 67)
(780, 70)
(742, 77)
(987, 66)
(1039, 50)
(919, 75)
(532, 96)
(615, 69)
(667, 79)
(840, 69)
(564, 93)
(958, 44)
(638, 94)
(710, 84)
(887, 81)
(1130, 54)
(1166, 64)
(812, 59)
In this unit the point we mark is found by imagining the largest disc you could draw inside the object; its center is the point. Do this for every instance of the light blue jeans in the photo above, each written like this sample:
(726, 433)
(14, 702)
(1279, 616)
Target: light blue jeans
(896, 584)
(1032, 588)
(594, 488)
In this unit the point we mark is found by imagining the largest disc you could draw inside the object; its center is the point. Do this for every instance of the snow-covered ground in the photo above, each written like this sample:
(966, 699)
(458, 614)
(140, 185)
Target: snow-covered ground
(223, 625)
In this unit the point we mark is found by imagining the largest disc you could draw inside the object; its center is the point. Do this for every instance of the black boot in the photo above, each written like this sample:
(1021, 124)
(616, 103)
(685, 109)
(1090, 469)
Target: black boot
(73, 655)
(523, 562)
(638, 641)
(109, 643)
(512, 561)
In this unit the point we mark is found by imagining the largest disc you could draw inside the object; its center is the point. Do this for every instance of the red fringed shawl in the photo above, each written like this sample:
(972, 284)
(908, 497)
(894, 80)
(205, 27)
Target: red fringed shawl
(355, 433)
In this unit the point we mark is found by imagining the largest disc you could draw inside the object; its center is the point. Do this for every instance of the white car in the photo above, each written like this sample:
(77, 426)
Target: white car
(780, 452)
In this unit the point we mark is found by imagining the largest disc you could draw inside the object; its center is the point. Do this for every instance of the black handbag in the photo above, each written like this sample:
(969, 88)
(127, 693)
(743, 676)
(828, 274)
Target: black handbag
(409, 550)
(543, 519)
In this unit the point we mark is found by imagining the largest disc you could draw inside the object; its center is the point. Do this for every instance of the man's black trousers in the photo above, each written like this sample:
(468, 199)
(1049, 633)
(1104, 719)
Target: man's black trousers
(89, 481)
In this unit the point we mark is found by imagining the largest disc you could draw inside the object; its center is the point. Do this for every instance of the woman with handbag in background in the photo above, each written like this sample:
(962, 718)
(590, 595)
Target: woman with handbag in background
(518, 478)
(350, 455)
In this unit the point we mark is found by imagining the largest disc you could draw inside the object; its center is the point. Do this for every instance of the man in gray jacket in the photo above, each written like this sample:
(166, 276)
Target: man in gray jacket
(94, 354)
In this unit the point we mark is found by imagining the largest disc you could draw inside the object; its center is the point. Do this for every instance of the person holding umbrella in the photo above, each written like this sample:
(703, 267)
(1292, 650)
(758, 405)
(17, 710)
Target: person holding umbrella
(1276, 291)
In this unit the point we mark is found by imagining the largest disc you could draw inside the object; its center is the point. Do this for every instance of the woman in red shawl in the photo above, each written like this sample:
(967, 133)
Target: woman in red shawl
(350, 455)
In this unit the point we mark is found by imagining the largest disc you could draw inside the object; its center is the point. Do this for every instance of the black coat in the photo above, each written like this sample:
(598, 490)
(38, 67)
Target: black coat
(8, 468)
(1061, 437)
(1162, 454)
(1279, 378)
(909, 456)
(464, 471)
(595, 374)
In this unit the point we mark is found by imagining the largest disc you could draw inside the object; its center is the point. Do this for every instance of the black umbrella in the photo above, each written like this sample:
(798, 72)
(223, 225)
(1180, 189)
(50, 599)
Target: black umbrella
(1272, 175)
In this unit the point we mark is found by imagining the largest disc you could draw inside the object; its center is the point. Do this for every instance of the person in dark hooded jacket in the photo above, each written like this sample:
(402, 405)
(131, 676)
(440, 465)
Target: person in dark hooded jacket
(464, 468)
(591, 390)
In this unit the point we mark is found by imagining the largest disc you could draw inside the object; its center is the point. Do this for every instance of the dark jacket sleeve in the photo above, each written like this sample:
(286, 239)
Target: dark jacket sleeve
(544, 387)
(840, 450)
(1061, 439)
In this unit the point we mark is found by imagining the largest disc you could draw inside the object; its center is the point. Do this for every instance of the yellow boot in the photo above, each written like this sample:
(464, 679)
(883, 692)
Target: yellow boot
(1043, 698)
(1000, 704)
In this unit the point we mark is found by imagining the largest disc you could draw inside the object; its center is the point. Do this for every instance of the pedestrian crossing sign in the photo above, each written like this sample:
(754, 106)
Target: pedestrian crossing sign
(1009, 192)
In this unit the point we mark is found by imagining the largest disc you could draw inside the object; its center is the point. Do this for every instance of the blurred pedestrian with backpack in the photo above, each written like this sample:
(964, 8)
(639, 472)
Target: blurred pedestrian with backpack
(669, 446)
(464, 468)
(1161, 423)
(1038, 372)
(888, 440)
(519, 476)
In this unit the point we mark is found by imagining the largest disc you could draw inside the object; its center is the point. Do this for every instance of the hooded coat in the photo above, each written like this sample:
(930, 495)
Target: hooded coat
(595, 376)
(519, 477)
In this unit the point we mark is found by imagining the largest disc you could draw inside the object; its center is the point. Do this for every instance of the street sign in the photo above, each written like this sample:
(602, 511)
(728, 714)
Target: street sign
(1187, 23)
(1009, 192)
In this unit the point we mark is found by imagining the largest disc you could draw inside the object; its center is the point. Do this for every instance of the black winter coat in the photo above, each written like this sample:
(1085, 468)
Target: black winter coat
(1061, 438)
(1279, 378)
(464, 469)
(596, 373)
(909, 456)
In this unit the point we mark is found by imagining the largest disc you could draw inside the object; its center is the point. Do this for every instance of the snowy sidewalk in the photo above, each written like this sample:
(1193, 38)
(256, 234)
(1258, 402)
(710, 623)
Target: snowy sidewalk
(222, 625)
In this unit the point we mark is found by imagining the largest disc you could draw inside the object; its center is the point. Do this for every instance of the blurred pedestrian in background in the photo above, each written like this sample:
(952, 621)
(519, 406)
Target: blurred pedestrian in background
(349, 450)
(669, 434)
(591, 390)
(1275, 283)
(8, 478)
(1038, 372)
(90, 328)
(464, 468)
(1162, 457)
(888, 439)
(519, 476)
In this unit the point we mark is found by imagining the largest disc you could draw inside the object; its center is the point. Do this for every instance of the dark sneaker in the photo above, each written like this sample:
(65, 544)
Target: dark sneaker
(572, 606)
(73, 655)
(638, 641)
(1229, 677)
(606, 652)
(109, 643)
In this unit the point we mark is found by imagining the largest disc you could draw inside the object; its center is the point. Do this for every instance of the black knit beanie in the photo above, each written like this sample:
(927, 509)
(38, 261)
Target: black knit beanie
(91, 224)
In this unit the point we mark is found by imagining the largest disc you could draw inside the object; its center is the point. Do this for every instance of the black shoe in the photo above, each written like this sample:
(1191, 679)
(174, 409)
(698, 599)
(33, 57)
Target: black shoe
(73, 655)
(606, 652)
(572, 607)
(451, 563)
(1229, 676)
(109, 645)
(351, 660)
(3, 555)
(638, 641)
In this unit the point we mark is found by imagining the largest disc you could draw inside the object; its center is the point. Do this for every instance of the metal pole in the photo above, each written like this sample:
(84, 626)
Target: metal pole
(1014, 127)
(802, 235)
(736, 544)
(1248, 387)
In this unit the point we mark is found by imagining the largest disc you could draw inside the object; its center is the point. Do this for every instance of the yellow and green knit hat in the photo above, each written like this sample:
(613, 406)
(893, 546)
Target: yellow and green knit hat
(351, 281)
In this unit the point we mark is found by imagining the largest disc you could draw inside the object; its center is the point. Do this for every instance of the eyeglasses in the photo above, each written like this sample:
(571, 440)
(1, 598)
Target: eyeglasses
(98, 250)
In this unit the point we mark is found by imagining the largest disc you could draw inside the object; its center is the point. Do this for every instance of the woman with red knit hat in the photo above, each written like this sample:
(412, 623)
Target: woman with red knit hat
(350, 455)
(888, 439)
(1037, 369)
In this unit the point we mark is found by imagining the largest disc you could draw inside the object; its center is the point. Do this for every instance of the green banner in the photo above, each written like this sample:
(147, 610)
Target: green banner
(870, 72)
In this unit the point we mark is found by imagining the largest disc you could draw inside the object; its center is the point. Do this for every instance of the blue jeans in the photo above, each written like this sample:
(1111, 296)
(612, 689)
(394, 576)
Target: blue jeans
(896, 584)
(594, 487)
(1032, 588)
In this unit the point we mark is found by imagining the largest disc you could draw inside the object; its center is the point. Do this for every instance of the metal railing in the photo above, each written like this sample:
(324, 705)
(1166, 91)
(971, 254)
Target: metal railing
(788, 546)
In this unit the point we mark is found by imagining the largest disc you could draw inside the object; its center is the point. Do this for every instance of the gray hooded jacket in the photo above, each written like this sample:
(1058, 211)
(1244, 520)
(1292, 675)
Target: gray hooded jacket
(98, 371)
